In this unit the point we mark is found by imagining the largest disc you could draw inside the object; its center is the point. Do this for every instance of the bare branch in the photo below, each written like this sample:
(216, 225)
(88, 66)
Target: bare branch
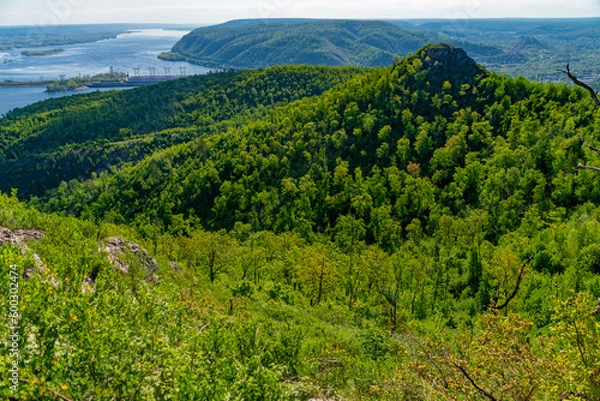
(584, 167)
(579, 345)
(517, 285)
(50, 389)
(426, 352)
(470, 379)
(583, 85)
(56, 393)
(596, 100)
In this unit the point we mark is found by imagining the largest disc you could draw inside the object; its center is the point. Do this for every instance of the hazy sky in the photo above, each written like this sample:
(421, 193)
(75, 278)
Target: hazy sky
(34, 12)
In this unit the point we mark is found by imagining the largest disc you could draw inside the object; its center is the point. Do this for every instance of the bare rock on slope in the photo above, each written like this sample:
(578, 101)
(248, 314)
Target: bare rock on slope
(7, 236)
(18, 238)
(28, 234)
(122, 253)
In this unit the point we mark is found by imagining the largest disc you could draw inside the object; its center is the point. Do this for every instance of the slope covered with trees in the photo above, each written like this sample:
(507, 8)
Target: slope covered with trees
(418, 231)
(260, 44)
(73, 137)
(430, 136)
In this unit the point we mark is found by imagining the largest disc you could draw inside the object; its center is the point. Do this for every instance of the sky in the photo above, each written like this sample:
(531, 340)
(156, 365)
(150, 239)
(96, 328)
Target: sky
(52, 12)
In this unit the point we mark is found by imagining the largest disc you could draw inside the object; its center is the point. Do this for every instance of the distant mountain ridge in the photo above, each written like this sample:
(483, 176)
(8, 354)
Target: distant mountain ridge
(257, 44)
(532, 48)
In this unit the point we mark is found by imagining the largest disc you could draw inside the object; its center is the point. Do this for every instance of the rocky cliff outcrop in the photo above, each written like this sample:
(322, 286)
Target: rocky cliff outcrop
(123, 254)
(18, 238)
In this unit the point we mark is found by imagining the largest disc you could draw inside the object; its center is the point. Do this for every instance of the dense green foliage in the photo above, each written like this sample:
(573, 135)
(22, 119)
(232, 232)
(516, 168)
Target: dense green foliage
(282, 319)
(328, 42)
(72, 137)
(413, 232)
(395, 147)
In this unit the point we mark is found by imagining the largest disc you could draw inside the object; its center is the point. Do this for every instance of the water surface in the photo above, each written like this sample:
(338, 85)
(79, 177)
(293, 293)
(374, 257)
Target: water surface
(13, 97)
(136, 49)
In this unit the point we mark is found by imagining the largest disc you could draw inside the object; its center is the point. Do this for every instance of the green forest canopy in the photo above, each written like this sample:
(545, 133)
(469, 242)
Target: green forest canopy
(401, 227)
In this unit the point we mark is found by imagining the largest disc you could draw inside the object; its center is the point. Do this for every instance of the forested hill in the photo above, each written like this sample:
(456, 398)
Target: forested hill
(256, 44)
(418, 231)
(73, 137)
(386, 152)
(532, 48)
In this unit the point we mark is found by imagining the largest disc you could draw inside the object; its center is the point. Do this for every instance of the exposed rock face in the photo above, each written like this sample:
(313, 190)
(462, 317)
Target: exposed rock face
(119, 249)
(18, 238)
(7, 236)
(28, 234)
(121, 253)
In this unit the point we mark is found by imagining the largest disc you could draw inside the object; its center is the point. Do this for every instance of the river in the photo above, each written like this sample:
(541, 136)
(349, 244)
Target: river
(136, 49)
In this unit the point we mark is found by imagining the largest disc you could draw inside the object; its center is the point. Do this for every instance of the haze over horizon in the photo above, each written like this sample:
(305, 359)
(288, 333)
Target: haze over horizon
(53, 12)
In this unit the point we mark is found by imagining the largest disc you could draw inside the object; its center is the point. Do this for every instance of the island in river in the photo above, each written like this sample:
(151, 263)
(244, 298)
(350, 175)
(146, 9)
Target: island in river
(49, 52)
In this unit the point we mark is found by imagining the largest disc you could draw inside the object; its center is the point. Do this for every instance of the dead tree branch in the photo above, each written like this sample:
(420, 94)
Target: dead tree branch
(470, 379)
(51, 390)
(517, 285)
(584, 167)
(596, 100)
(583, 85)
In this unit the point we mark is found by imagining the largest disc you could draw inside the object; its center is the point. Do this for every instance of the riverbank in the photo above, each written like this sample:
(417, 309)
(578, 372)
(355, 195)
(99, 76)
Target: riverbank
(178, 57)
(12, 84)
(20, 96)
